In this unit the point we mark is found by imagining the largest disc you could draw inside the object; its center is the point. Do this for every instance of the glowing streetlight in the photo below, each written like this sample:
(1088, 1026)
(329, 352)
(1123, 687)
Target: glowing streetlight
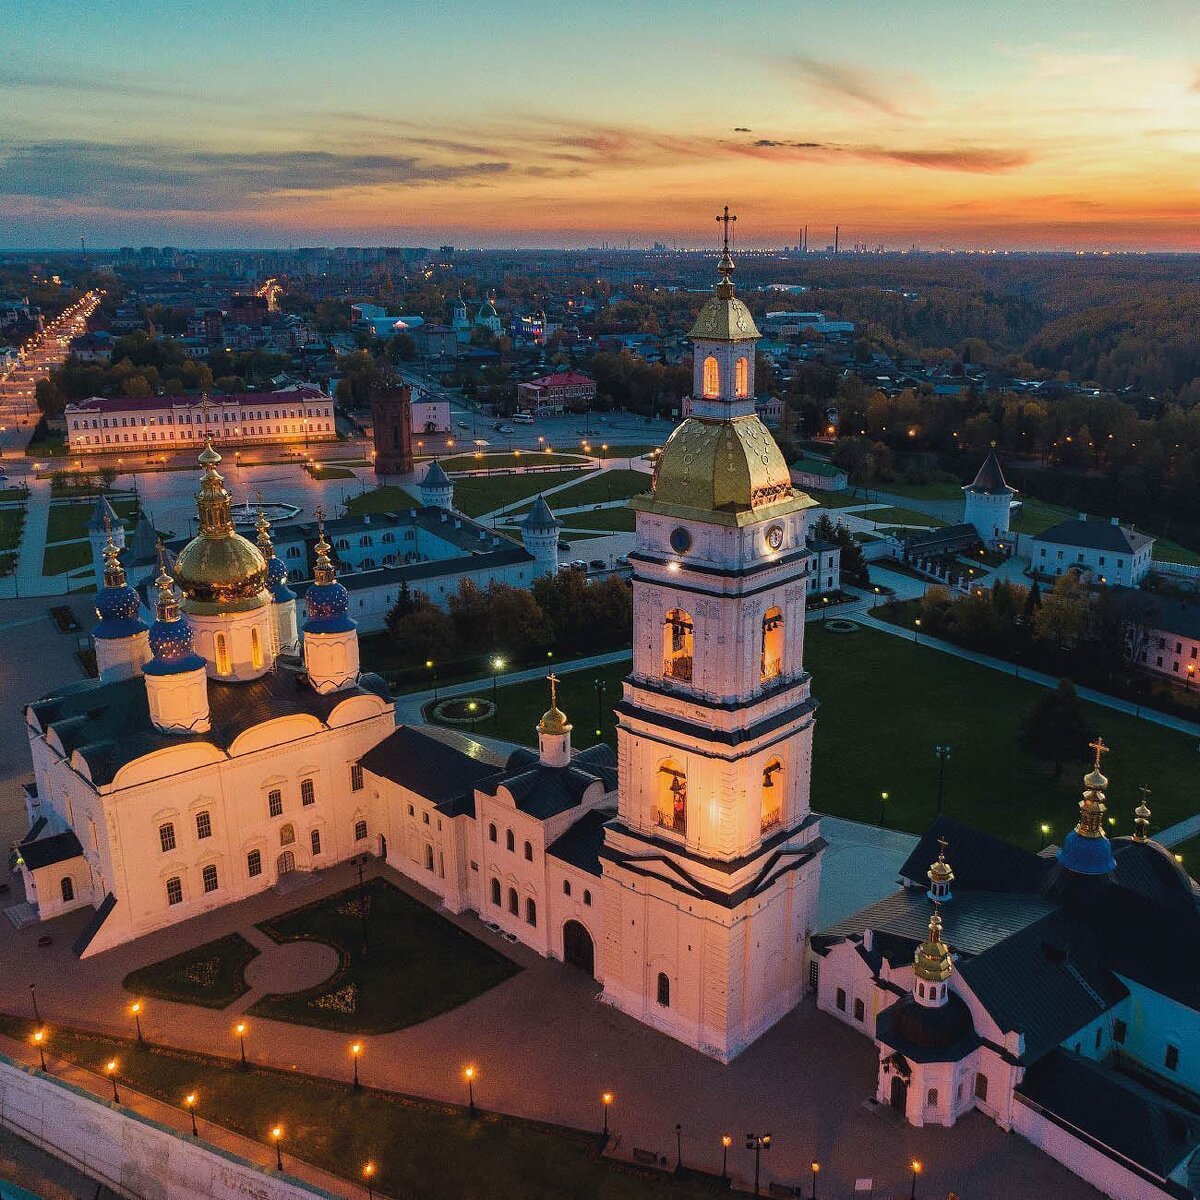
(469, 1076)
(606, 1099)
(1044, 830)
(277, 1138)
(355, 1051)
(498, 665)
(136, 1009)
(110, 1069)
(369, 1179)
(189, 1102)
(815, 1167)
(726, 1142)
(917, 1168)
(883, 799)
(240, 1030)
(39, 1040)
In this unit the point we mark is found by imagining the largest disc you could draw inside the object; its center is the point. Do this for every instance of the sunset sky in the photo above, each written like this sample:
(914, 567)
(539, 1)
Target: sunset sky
(1019, 124)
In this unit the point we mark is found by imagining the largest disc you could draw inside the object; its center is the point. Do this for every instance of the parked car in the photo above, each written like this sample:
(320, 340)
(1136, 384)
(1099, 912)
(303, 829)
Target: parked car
(598, 564)
(579, 565)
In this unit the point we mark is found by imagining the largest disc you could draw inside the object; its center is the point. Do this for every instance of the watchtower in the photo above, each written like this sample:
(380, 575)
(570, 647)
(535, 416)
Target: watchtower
(391, 414)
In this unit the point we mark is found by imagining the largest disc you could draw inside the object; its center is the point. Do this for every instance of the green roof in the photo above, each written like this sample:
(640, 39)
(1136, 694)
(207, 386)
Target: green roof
(817, 466)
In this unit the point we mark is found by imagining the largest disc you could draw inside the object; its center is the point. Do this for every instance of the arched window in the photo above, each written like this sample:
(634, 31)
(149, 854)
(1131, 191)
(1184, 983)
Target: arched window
(771, 660)
(203, 825)
(315, 840)
(980, 1086)
(287, 834)
(530, 911)
(931, 1098)
(509, 841)
(174, 890)
(772, 794)
(254, 863)
(860, 1011)
(360, 831)
(367, 564)
(491, 833)
(678, 645)
(921, 990)
(741, 377)
(222, 655)
(514, 903)
(428, 857)
(672, 796)
(256, 655)
(664, 990)
(67, 887)
(166, 836)
(712, 378)
(496, 892)
(587, 897)
(528, 852)
(209, 877)
(566, 887)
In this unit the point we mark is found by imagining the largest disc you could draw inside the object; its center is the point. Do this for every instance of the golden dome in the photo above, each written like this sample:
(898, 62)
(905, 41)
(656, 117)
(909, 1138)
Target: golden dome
(554, 721)
(219, 570)
(932, 960)
(724, 319)
(731, 471)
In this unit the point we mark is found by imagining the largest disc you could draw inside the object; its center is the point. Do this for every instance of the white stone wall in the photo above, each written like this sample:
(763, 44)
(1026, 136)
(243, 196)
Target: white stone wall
(131, 1154)
(1113, 568)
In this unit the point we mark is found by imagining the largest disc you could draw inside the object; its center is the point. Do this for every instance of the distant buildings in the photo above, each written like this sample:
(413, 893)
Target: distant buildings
(110, 425)
(561, 392)
(820, 473)
(1112, 554)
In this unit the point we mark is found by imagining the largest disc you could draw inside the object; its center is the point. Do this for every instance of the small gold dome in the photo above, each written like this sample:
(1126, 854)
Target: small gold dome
(724, 318)
(932, 961)
(554, 722)
(722, 467)
(1095, 782)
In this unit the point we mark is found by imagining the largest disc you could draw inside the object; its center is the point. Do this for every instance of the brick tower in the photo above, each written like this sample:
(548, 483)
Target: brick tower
(391, 414)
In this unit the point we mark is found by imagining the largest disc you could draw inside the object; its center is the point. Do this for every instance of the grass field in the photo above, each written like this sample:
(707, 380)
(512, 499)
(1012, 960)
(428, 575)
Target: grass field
(13, 493)
(210, 975)
(66, 557)
(420, 1148)
(321, 471)
(600, 487)
(611, 520)
(11, 521)
(900, 516)
(923, 491)
(418, 965)
(482, 461)
(69, 520)
(387, 498)
(886, 702)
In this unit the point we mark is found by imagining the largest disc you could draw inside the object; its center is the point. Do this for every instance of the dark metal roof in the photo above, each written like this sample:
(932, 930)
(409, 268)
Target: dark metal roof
(45, 852)
(981, 861)
(938, 541)
(990, 479)
(1095, 535)
(1117, 1111)
(445, 767)
(580, 845)
(1151, 871)
(543, 791)
(109, 722)
(89, 931)
(928, 1034)
(353, 581)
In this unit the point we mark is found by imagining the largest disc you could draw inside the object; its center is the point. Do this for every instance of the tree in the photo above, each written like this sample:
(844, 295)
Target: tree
(402, 608)
(1062, 616)
(425, 633)
(1053, 727)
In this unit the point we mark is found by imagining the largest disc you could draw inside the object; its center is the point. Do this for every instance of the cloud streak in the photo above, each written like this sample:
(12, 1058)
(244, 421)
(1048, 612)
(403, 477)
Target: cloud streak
(843, 82)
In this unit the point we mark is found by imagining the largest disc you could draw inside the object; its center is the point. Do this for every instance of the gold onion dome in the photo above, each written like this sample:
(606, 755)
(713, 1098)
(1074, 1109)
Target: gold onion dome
(219, 570)
(932, 960)
(1141, 818)
(554, 721)
(724, 318)
(940, 871)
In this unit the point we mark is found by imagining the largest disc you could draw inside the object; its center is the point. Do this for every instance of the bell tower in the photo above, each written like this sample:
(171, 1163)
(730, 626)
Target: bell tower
(711, 866)
(391, 418)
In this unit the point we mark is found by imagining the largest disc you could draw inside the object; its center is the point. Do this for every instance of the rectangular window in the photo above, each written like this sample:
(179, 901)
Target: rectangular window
(356, 777)
(166, 837)
(1171, 1058)
(254, 863)
(209, 875)
(860, 1011)
(315, 838)
(203, 825)
(981, 1086)
(841, 999)
(1119, 1031)
(275, 802)
(174, 891)
(308, 793)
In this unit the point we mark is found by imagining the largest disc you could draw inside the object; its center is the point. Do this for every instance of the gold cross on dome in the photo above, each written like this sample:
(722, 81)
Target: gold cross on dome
(321, 518)
(943, 843)
(1145, 794)
(726, 219)
(1100, 748)
(553, 681)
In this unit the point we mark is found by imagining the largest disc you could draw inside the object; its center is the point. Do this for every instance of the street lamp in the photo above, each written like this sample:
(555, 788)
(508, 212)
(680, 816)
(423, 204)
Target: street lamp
(916, 628)
(136, 1009)
(472, 708)
(883, 799)
(240, 1030)
(678, 1146)
(498, 664)
(816, 1170)
(601, 686)
(469, 1076)
(1044, 830)
(430, 665)
(37, 1016)
(606, 1099)
(917, 1168)
(110, 1069)
(943, 753)
(369, 1179)
(277, 1138)
(189, 1102)
(726, 1142)
(39, 1040)
(355, 1051)
(758, 1142)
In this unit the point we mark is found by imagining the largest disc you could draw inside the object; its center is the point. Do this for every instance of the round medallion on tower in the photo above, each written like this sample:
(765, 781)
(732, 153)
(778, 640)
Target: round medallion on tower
(219, 571)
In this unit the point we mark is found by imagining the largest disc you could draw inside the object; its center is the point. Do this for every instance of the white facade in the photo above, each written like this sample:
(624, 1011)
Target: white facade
(1116, 556)
(430, 416)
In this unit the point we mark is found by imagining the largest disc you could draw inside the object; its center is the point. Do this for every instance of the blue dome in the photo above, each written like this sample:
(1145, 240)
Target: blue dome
(119, 613)
(277, 578)
(1087, 855)
(171, 645)
(328, 608)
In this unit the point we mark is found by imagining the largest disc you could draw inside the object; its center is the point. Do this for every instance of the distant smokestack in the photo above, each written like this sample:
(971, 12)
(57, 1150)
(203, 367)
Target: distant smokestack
(837, 233)
(805, 239)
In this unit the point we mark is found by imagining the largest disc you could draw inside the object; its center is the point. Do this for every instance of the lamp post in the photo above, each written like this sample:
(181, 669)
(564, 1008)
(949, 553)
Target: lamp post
(110, 1069)
(498, 665)
(816, 1170)
(943, 753)
(136, 1009)
(472, 708)
(37, 1016)
(355, 1051)
(369, 1179)
(240, 1030)
(606, 1099)
(277, 1138)
(883, 799)
(916, 628)
(726, 1142)
(758, 1142)
(189, 1102)
(39, 1040)
(469, 1076)
(1044, 830)
(916, 1170)
(430, 665)
(678, 1147)
(362, 909)
(601, 686)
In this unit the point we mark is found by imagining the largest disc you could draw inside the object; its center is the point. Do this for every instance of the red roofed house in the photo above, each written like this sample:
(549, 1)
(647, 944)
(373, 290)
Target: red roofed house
(565, 390)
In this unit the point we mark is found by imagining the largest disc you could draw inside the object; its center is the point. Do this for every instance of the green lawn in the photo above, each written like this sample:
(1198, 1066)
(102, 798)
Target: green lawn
(11, 521)
(617, 484)
(481, 495)
(387, 498)
(833, 499)
(1034, 516)
(923, 491)
(66, 557)
(420, 1148)
(521, 706)
(891, 515)
(484, 461)
(13, 493)
(321, 471)
(69, 520)
(210, 975)
(886, 702)
(418, 965)
(1168, 551)
(1189, 851)
(613, 520)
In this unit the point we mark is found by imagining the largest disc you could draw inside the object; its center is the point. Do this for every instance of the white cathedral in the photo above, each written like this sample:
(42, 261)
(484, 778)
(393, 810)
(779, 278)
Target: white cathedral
(208, 761)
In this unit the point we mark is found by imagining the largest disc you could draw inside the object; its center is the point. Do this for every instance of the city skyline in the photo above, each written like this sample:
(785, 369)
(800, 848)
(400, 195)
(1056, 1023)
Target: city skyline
(945, 126)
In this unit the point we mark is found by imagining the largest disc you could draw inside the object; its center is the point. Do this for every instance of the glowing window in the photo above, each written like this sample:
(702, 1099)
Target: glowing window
(223, 667)
(741, 377)
(256, 654)
(712, 378)
(672, 796)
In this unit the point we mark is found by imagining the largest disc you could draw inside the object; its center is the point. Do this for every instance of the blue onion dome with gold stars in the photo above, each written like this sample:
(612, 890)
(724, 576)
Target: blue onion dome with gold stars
(118, 606)
(327, 602)
(277, 574)
(219, 571)
(1086, 850)
(170, 635)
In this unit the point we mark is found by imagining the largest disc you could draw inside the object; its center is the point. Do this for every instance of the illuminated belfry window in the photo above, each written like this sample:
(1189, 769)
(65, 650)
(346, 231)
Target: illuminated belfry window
(678, 645)
(672, 796)
(256, 655)
(771, 662)
(223, 667)
(772, 794)
(712, 378)
(741, 378)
